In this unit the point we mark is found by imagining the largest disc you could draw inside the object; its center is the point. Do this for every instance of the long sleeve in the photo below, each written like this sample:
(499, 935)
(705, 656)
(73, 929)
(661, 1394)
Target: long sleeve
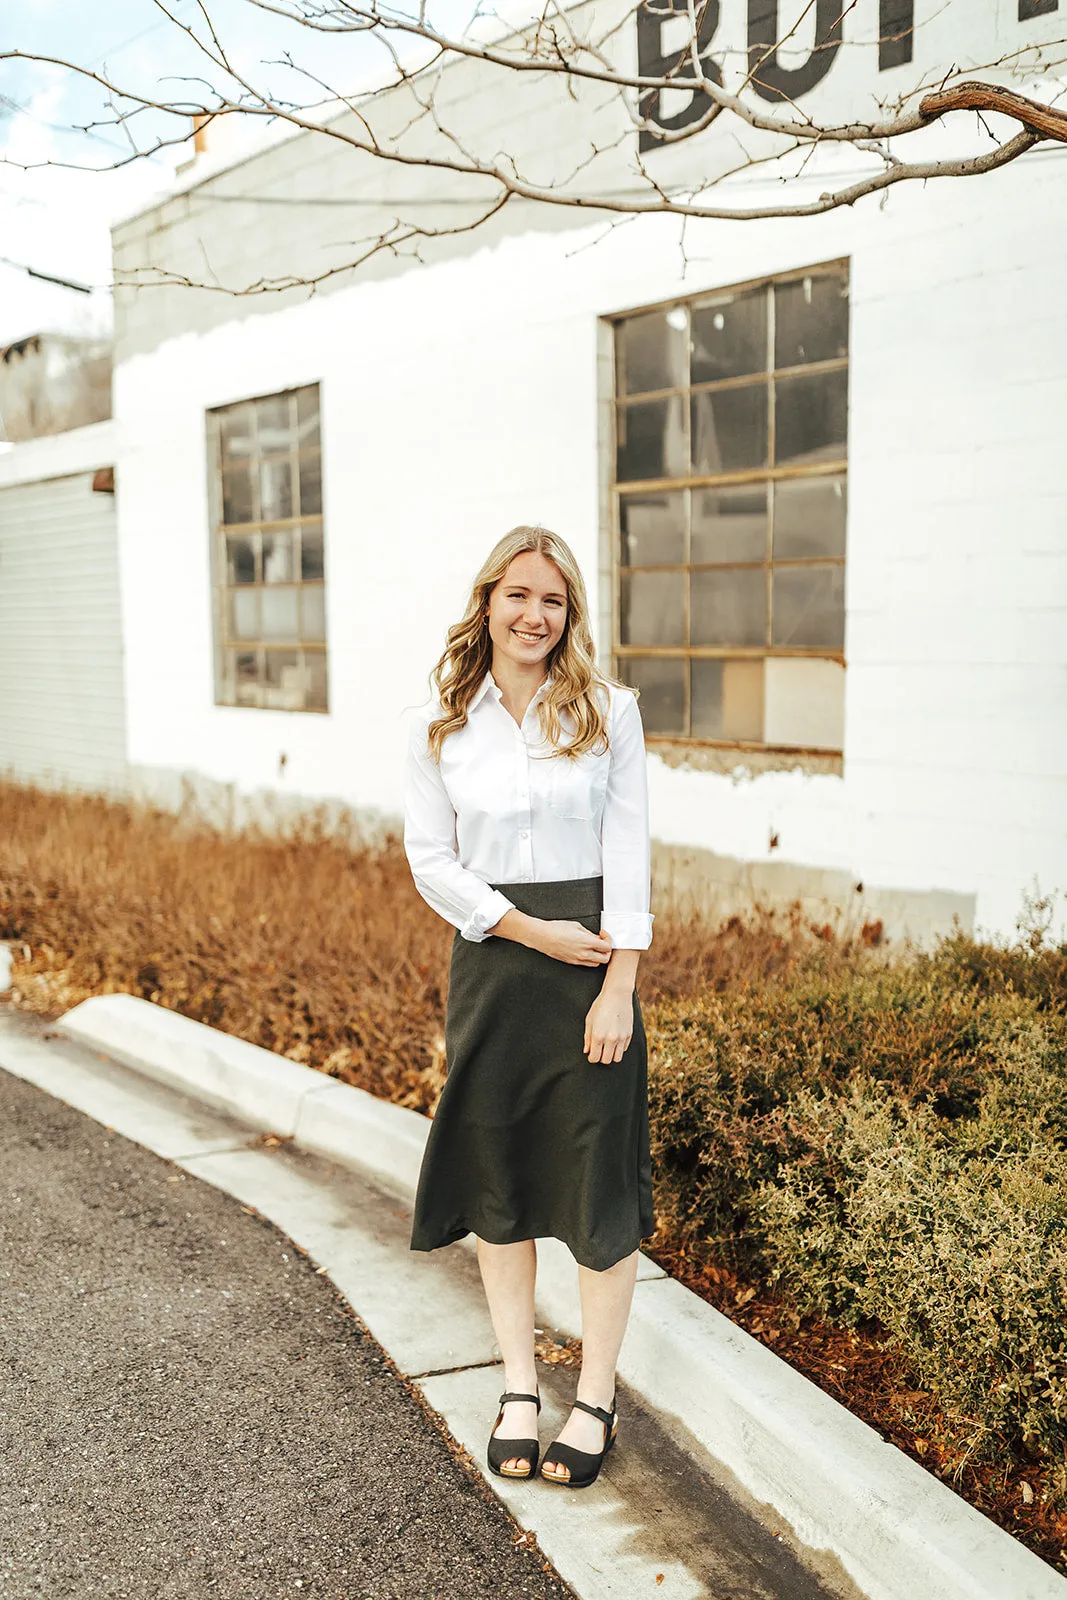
(455, 893)
(625, 833)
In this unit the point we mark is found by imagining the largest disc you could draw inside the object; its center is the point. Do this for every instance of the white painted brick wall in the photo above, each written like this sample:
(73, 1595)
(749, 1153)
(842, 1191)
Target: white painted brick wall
(460, 398)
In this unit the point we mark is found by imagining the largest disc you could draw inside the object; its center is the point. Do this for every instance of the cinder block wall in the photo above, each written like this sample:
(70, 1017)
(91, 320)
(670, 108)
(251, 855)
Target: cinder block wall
(461, 397)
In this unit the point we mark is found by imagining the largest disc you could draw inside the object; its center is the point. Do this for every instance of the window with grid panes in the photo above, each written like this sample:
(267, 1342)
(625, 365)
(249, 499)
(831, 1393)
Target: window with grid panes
(270, 617)
(731, 414)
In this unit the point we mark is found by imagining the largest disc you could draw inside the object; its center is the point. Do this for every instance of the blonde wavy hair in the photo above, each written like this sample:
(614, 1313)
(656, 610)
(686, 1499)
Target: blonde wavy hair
(468, 653)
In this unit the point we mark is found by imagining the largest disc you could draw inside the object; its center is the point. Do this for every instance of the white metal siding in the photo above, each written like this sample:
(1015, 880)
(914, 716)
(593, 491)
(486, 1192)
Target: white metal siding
(62, 714)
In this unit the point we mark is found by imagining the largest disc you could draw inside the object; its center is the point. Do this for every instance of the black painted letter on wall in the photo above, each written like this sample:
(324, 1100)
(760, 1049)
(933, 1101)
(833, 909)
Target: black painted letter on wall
(652, 63)
(770, 79)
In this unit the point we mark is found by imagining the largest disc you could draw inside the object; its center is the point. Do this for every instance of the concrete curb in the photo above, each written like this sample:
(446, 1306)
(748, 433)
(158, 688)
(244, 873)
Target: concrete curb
(263, 1088)
(897, 1530)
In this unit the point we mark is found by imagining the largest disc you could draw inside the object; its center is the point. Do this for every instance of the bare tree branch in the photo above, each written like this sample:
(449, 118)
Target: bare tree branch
(1044, 122)
(741, 122)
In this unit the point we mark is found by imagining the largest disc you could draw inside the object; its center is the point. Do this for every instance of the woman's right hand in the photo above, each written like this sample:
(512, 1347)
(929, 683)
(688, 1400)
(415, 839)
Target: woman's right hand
(572, 942)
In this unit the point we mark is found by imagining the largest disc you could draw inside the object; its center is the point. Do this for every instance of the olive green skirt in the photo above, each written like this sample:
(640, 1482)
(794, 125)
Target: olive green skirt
(531, 1139)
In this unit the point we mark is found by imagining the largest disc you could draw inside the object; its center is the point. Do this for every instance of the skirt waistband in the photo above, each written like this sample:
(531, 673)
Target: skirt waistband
(559, 898)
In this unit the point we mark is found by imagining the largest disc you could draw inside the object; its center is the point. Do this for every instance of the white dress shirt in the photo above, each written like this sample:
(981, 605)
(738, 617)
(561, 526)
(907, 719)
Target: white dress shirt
(505, 807)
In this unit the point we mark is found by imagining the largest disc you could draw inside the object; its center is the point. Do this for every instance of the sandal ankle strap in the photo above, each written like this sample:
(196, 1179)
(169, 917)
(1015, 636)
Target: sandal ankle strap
(535, 1399)
(606, 1417)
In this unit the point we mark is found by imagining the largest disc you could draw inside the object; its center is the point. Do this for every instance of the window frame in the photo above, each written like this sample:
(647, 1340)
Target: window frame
(615, 490)
(220, 531)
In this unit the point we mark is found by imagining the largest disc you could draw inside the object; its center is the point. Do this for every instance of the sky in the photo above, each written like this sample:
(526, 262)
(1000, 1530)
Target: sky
(56, 218)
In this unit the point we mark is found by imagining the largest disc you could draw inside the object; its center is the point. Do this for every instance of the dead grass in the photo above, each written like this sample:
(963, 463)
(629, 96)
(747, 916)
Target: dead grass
(311, 946)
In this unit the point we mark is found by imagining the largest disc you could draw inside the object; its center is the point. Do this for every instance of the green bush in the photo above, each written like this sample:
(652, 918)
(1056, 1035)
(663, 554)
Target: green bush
(1029, 967)
(890, 1144)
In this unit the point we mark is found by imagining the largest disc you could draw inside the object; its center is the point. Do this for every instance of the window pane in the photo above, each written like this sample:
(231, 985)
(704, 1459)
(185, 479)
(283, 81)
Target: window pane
(653, 608)
(727, 699)
(235, 432)
(237, 496)
(284, 685)
(311, 484)
(729, 525)
(651, 439)
(280, 618)
(313, 612)
(811, 319)
(809, 517)
(244, 614)
(307, 416)
(811, 418)
(277, 558)
(273, 422)
(809, 606)
(311, 564)
(728, 607)
(805, 703)
(730, 336)
(241, 558)
(246, 677)
(268, 616)
(276, 490)
(763, 561)
(661, 684)
(650, 351)
(653, 529)
(315, 662)
(729, 429)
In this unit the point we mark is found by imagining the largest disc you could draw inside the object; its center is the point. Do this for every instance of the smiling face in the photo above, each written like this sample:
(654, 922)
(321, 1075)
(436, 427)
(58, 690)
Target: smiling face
(528, 610)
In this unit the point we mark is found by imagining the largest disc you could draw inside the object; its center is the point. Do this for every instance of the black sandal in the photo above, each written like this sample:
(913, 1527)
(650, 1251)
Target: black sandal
(582, 1465)
(501, 1450)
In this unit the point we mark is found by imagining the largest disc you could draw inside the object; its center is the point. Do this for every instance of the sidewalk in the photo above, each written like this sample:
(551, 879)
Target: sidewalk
(238, 1419)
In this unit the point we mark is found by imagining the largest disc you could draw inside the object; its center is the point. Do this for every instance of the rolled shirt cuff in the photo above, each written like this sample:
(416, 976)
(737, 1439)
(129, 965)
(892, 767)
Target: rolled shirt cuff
(629, 930)
(485, 916)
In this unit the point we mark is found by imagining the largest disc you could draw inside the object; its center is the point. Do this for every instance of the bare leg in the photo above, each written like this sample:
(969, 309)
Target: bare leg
(508, 1274)
(606, 1300)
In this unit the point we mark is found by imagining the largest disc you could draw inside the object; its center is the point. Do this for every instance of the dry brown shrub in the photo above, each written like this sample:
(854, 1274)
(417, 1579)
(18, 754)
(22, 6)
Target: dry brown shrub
(301, 944)
(302, 940)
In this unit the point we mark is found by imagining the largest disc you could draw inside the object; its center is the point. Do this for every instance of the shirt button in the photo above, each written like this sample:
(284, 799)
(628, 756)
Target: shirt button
(524, 834)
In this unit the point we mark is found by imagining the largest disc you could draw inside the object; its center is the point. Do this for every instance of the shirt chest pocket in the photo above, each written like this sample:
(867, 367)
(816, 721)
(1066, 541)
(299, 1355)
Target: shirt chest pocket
(576, 788)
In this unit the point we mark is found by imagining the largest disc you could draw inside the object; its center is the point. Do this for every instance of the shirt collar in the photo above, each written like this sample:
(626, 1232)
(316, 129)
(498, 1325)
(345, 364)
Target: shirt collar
(490, 686)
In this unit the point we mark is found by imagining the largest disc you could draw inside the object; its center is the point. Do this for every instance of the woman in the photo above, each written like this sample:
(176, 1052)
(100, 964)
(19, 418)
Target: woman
(526, 827)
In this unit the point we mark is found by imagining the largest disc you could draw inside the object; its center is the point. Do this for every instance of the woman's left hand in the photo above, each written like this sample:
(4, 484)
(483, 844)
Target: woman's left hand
(609, 1025)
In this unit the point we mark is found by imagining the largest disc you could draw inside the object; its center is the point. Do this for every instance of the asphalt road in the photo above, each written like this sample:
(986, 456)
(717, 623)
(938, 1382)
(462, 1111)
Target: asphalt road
(189, 1410)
